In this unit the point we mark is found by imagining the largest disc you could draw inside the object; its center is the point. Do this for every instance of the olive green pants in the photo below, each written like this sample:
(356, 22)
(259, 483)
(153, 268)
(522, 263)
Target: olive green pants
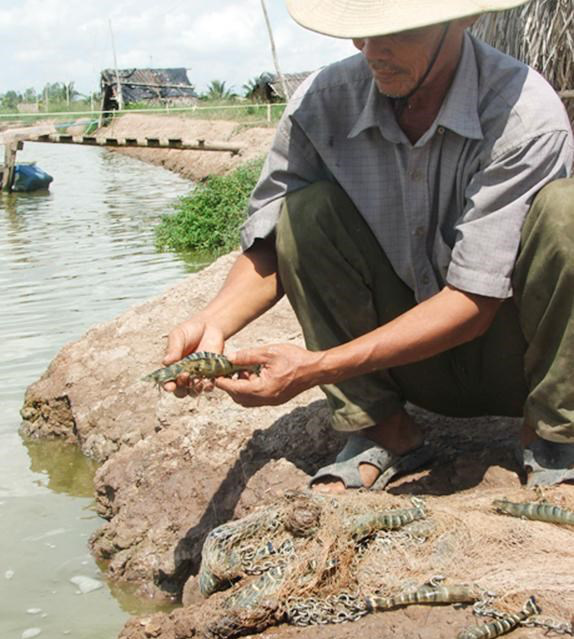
(341, 285)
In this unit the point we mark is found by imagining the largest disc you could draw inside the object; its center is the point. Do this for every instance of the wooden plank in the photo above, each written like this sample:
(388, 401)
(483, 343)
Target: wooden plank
(10, 150)
(156, 143)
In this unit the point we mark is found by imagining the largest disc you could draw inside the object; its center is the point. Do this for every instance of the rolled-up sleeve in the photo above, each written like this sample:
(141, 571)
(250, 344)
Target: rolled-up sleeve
(498, 198)
(291, 164)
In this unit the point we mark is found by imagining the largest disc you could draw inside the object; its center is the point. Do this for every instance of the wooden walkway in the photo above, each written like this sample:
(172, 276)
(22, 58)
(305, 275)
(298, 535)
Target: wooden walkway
(156, 143)
(17, 143)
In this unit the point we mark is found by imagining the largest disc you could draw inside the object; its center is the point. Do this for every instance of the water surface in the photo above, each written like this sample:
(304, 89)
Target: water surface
(70, 258)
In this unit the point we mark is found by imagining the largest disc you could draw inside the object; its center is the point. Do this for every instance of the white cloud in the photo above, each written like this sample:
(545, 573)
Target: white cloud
(70, 40)
(222, 31)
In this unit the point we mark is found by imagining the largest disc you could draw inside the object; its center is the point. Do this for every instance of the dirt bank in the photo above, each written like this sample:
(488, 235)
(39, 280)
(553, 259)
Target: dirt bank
(195, 165)
(177, 469)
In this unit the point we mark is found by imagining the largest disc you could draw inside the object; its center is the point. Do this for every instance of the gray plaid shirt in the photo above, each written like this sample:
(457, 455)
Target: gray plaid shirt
(447, 209)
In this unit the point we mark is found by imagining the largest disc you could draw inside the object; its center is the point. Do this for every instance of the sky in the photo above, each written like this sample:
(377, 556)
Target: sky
(67, 41)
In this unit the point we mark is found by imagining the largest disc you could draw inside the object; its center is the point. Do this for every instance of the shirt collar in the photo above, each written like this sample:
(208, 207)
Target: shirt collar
(459, 111)
(378, 113)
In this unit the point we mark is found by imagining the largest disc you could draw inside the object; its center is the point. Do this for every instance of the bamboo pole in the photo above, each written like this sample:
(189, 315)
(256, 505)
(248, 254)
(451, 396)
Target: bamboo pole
(119, 96)
(274, 52)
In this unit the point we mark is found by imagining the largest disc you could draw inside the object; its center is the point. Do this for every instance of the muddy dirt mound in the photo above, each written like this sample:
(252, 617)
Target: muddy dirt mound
(195, 165)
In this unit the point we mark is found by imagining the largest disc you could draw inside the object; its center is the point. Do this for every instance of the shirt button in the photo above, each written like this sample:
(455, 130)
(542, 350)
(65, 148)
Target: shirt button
(416, 176)
(440, 130)
(420, 231)
(425, 279)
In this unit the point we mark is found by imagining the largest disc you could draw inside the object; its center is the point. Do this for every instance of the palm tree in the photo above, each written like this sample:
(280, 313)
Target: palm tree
(217, 90)
(70, 92)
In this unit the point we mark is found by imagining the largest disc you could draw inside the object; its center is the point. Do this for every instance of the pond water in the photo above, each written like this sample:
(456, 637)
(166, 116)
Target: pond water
(72, 257)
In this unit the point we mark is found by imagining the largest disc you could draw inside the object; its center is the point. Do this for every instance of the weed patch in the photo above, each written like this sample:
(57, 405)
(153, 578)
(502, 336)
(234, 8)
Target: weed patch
(209, 218)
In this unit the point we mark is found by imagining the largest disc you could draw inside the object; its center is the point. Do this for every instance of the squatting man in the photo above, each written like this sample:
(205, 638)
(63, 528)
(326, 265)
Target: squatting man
(416, 209)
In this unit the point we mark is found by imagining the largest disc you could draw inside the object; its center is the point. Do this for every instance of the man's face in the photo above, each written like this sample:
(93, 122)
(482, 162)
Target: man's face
(399, 61)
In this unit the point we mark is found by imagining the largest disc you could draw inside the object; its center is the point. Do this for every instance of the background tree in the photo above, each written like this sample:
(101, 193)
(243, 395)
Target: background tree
(71, 93)
(10, 100)
(217, 90)
(30, 95)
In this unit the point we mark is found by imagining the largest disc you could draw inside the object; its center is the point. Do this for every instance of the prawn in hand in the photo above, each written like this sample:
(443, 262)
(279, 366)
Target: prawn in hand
(286, 370)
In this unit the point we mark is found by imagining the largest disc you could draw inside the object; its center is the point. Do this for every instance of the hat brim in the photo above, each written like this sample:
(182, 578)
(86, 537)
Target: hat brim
(368, 18)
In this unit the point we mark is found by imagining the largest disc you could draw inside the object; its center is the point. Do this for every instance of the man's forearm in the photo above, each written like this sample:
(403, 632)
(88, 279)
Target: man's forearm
(444, 321)
(251, 287)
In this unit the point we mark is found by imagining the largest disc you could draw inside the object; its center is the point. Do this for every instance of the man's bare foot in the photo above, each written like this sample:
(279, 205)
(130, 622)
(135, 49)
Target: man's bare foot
(399, 434)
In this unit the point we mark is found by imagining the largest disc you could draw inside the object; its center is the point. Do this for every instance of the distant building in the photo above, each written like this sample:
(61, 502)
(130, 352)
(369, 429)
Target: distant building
(292, 82)
(27, 107)
(269, 88)
(152, 86)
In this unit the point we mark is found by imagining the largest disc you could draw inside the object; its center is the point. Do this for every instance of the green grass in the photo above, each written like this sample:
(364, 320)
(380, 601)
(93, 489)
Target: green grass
(242, 112)
(209, 218)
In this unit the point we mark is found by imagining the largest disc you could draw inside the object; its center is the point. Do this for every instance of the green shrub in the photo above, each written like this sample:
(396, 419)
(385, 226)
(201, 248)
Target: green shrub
(208, 219)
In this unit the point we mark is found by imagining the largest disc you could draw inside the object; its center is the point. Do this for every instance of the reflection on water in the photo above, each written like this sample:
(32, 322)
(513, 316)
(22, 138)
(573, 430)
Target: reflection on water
(62, 467)
(70, 258)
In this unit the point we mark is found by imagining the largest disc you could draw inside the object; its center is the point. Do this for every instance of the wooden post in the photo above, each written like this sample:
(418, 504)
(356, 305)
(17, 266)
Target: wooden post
(268, 112)
(119, 94)
(102, 117)
(10, 149)
(274, 52)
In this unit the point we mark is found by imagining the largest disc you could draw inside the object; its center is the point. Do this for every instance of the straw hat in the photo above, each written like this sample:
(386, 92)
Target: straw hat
(365, 18)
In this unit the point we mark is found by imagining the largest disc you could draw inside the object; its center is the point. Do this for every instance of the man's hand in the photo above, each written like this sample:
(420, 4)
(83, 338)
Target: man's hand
(188, 337)
(251, 288)
(286, 371)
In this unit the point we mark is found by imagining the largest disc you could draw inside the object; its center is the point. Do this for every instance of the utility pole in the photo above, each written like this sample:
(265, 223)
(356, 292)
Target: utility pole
(119, 95)
(274, 52)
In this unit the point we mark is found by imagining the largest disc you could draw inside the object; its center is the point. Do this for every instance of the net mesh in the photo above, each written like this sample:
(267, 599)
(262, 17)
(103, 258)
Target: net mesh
(303, 552)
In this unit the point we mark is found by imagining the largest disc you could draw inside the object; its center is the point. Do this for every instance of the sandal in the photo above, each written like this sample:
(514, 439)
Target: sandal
(360, 450)
(549, 463)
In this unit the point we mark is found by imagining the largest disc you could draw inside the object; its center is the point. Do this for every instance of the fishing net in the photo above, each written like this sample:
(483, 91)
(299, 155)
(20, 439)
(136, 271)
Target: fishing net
(312, 559)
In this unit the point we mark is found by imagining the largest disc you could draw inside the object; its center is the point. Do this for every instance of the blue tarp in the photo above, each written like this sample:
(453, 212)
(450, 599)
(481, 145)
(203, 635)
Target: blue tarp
(29, 177)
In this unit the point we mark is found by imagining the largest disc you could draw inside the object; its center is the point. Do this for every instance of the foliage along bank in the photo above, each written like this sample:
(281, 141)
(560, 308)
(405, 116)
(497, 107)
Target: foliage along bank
(209, 218)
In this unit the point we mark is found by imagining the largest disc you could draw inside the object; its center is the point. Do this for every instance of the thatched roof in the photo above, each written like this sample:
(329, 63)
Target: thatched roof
(292, 81)
(140, 85)
(269, 88)
(540, 33)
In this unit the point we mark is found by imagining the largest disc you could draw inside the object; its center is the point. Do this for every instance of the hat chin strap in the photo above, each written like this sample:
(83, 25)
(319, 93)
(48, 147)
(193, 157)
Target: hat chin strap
(400, 103)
